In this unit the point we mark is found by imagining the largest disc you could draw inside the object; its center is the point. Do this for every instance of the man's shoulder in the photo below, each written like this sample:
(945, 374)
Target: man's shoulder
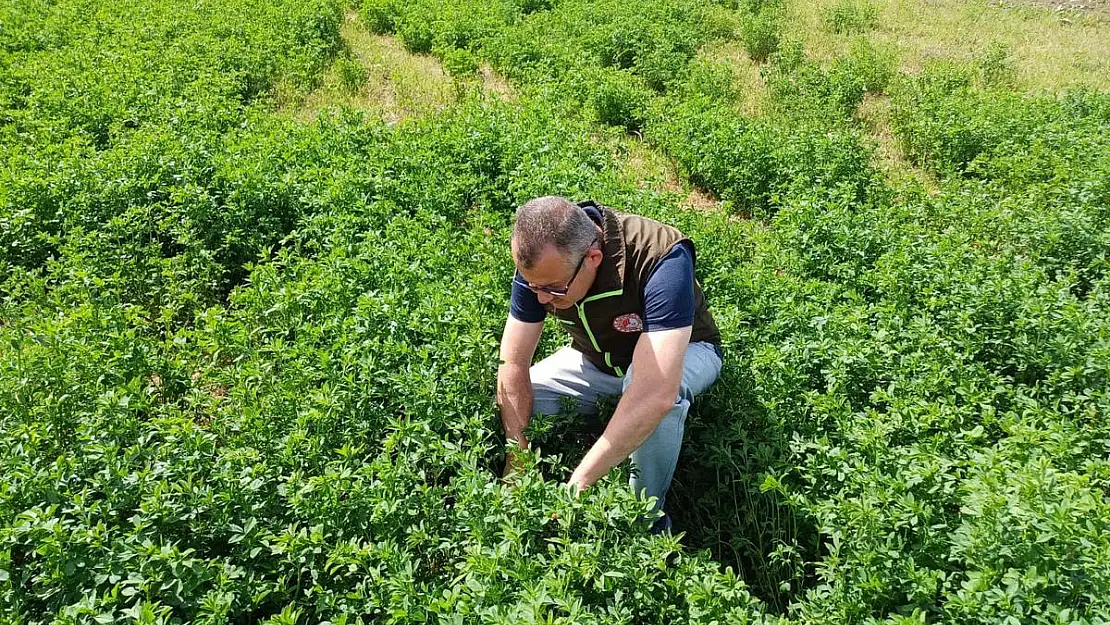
(647, 239)
(626, 218)
(640, 226)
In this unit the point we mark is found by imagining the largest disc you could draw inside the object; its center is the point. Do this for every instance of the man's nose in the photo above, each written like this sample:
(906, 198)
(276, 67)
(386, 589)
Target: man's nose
(544, 298)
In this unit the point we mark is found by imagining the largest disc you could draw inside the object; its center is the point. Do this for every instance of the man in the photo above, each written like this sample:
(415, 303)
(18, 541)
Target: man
(623, 286)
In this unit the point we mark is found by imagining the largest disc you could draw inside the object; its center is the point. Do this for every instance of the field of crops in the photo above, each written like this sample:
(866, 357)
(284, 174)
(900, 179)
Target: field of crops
(247, 361)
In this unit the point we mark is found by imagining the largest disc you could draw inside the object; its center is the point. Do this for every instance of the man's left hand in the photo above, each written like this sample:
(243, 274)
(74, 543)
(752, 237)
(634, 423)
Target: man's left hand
(577, 483)
(657, 364)
(580, 480)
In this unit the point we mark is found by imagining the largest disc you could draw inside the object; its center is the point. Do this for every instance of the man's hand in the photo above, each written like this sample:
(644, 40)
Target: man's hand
(513, 463)
(514, 384)
(575, 485)
(657, 375)
(578, 481)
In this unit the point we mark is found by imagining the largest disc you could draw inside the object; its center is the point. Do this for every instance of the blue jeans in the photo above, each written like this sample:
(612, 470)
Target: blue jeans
(567, 373)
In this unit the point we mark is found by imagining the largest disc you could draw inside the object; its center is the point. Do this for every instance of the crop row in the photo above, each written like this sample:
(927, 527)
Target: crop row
(246, 364)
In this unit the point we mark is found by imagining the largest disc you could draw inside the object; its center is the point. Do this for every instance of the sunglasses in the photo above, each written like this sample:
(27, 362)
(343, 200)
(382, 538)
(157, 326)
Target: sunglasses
(566, 289)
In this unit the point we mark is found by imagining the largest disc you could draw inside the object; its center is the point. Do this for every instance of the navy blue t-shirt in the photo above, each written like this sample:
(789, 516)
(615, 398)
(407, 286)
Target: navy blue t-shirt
(668, 294)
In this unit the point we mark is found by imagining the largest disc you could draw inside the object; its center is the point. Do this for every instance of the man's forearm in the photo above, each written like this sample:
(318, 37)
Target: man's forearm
(637, 415)
(514, 398)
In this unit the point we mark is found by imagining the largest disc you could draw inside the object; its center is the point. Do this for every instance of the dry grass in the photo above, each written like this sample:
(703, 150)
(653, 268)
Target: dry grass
(399, 84)
(747, 81)
(495, 83)
(874, 115)
(1050, 49)
(649, 168)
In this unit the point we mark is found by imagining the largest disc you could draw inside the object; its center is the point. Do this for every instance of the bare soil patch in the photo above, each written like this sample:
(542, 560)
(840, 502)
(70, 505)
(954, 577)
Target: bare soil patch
(1097, 8)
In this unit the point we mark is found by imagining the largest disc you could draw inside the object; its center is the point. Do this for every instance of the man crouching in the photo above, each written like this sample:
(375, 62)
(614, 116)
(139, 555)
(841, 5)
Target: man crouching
(623, 286)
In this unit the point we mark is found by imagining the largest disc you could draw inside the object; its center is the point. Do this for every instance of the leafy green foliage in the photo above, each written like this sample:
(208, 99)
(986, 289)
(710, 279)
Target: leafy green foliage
(851, 16)
(603, 53)
(380, 16)
(459, 62)
(757, 165)
(352, 74)
(246, 363)
(708, 79)
(950, 126)
(760, 34)
(996, 68)
(803, 88)
(322, 444)
(620, 98)
(872, 65)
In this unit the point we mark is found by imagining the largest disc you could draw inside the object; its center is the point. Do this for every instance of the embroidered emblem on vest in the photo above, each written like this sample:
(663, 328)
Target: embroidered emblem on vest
(628, 323)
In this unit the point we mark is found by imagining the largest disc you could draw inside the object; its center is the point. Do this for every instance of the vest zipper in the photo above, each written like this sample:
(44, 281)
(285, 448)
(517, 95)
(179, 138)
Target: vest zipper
(590, 333)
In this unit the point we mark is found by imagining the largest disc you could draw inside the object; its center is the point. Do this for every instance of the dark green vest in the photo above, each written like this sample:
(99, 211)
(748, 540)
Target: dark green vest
(606, 323)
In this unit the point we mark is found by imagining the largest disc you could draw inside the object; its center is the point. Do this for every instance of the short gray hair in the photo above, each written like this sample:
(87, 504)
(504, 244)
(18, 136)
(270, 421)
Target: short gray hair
(551, 220)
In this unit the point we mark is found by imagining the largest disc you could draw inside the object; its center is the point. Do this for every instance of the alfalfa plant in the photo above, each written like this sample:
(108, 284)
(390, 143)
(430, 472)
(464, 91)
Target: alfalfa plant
(458, 62)
(351, 73)
(760, 33)
(851, 16)
(380, 15)
(996, 66)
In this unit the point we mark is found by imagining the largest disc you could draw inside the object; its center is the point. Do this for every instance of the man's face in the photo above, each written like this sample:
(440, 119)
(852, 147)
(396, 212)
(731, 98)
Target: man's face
(554, 270)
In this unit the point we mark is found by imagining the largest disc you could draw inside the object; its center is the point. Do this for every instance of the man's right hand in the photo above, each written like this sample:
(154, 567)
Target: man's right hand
(514, 384)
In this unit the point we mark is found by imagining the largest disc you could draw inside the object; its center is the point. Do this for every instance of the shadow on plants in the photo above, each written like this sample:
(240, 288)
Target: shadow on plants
(726, 499)
(565, 438)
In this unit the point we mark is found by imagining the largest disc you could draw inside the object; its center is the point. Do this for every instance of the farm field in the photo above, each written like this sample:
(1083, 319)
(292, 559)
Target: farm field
(254, 267)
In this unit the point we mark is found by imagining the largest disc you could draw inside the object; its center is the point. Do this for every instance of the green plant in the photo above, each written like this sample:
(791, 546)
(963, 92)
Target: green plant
(619, 98)
(760, 33)
(996, 67)
(754, 164)
(851, 16)
(804, 89)
(417, 30)
(873, 66)
(246, 362)
(712, 80)
(531, 6)
(459, 63)
(380, 16)
(352, 74)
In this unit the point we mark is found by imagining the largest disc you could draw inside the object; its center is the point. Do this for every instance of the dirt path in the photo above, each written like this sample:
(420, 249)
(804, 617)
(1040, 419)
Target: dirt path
(1098, 8)
(375, 73)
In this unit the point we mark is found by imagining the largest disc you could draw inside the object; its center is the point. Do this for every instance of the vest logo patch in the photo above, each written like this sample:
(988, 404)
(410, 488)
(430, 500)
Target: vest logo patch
(628, 323)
